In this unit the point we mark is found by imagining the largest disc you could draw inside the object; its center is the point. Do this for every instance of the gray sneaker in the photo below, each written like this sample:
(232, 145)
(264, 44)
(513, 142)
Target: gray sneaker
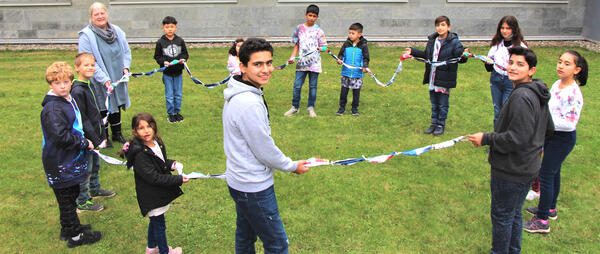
(553, 215)
(89, 206)
(311, 112)
(292, 111)
(102, 193)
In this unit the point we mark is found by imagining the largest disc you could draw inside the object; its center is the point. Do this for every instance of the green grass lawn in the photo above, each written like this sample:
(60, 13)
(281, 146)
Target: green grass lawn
(435, 203)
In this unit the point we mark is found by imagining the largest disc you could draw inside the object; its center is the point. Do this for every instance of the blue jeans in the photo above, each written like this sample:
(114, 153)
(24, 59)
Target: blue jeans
(157, 235)
(312, 87)
(173, 93)
(92, 183)
(501, 88)
(440, 105)
(507, 220)
(258, 215)
(556, 149)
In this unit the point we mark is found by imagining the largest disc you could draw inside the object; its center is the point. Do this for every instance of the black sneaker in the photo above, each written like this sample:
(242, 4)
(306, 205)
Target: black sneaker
(178, 117)
(89, 206)
(439, 130)
(340, 111)
(85, 238)
(355, 112)
(81, 228)
(171, 119)
(537, 225)
(431, 129)
(533, 210)
(102, 193)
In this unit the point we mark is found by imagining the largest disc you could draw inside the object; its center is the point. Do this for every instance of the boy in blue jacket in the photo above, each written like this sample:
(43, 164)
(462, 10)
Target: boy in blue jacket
(354, 52)
(441, 46)
(64, 153)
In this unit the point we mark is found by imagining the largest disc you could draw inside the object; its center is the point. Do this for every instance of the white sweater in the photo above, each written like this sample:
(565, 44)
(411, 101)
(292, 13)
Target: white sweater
(565, 106)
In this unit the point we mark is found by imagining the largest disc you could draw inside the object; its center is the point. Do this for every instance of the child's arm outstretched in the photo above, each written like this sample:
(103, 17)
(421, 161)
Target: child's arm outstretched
(144, 167)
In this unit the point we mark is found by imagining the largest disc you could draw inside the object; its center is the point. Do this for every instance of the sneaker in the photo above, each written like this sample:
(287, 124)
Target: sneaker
(431, 129)
(553, 215)
(292, 111)
(439, 130)
(89, 206)
(311, 111)
(340, 111)
(177, 250)
(84, 238)
(155, 250)
(531, 195)
(102, 193)
(355, 112)
(536, 225)
(171, 119)
(178, 117)
(82, 228)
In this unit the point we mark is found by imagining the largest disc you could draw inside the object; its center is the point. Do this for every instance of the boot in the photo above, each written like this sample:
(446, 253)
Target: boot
(431, 129)
(439, 130)
(108, 143)
(116, 133)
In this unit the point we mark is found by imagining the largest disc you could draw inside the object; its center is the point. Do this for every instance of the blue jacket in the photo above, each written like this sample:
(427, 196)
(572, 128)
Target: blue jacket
(64, 152)
(445, 75)
(356, 56)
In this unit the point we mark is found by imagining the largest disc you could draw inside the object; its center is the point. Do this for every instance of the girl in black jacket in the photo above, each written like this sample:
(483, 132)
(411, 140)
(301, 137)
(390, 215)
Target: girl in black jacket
(155, 186)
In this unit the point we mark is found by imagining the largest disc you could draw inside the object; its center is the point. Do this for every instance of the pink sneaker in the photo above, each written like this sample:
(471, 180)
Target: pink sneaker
(177, 250)
(155, 250)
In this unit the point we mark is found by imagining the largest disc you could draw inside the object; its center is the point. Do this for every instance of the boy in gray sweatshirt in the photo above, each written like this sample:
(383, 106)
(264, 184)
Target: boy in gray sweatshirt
(252, 154)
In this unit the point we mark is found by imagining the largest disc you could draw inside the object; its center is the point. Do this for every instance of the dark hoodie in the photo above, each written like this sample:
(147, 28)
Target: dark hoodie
(64, 152)
(169, 50)
(445, 75)
(523, 125)
(90, 112)
(155, 186)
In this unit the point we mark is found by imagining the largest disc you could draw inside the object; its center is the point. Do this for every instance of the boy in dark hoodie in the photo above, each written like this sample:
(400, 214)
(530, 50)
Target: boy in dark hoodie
(168, 48)
(441, 46)
(354, 52)
(64, 153)
(515, 145)
(93, 129)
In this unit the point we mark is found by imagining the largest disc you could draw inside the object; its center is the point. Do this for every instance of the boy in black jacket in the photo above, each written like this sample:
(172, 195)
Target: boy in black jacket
(441, 46)
(85, 65)
(515, 145)
(64, 153)
(168, 48)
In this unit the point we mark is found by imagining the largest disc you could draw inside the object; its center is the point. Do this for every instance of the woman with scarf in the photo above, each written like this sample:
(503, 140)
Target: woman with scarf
(108, 44)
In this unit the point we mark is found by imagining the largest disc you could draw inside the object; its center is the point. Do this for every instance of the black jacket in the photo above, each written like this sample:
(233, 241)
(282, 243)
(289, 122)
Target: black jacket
(155, 186)
(65, 150)
(445, 75)
(169, 50)
(90, 114)
(523, 125)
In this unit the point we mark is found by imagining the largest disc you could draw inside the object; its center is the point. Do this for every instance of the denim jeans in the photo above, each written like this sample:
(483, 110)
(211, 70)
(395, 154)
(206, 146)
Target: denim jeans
(92, 183)
(258, 215)
(312, 87)
(501, 88)
(507, 219)
(157, 235)
(440, 105)
(173, 93)
(556, 149)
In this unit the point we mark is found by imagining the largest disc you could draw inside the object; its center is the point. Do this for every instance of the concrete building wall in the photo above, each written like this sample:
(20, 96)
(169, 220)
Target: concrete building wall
(591, 25)
(60, 20)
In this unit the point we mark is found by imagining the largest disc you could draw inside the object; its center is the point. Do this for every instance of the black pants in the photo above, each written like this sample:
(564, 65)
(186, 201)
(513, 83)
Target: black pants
(344, 97)
(69, 221)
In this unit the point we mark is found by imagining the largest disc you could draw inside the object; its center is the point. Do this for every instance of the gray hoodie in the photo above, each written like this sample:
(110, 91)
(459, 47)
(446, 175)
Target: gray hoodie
(251, 152)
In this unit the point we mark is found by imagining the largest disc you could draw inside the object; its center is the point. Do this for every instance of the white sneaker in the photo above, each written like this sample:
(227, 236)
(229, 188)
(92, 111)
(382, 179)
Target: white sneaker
(292, 111)
(311, 112)
(531, 195)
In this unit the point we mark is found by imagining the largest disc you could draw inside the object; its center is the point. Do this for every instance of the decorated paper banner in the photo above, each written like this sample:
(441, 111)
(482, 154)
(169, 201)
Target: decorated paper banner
(432, 63)
(315, 162)
(398, 70)
(198, 82)
(108, 159)
(485, 59)
(196, 175)
(281, 67)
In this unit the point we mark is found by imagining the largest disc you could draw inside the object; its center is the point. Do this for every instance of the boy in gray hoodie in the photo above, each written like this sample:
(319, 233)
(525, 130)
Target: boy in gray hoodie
(515, 145)
(252, 154)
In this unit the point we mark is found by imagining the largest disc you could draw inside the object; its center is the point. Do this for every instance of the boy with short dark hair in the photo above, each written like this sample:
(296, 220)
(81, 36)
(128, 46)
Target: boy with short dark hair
(354, 52)
(64, 153)
(515, 145)
(308, 38)
(441, 46)
(168, 48)
(93, 129)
